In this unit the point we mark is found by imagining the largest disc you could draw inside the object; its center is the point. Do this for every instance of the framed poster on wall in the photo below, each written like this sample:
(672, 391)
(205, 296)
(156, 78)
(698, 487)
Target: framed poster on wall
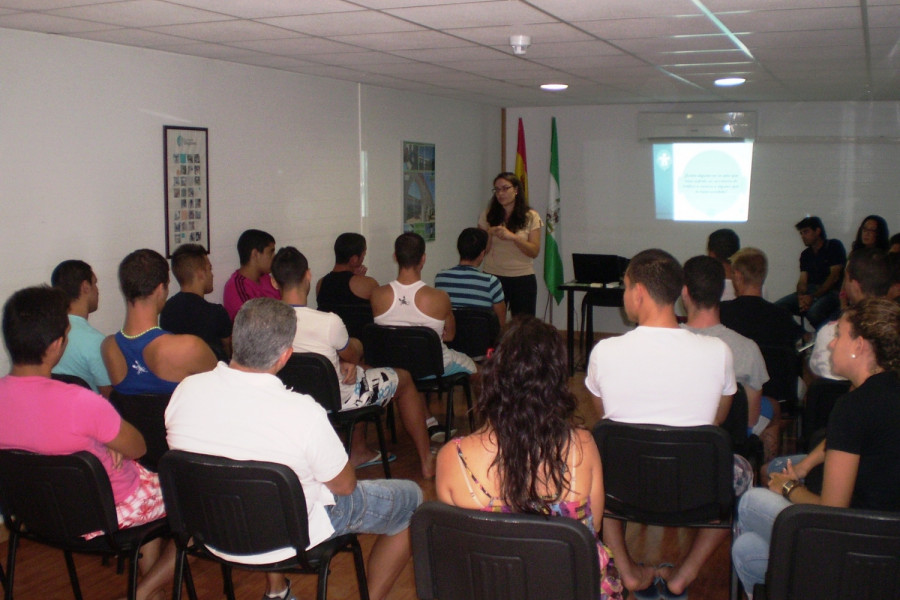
(187, 186)
(418, 189)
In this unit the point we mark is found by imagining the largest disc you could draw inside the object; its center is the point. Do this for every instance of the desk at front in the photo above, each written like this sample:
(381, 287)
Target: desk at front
(596, 296)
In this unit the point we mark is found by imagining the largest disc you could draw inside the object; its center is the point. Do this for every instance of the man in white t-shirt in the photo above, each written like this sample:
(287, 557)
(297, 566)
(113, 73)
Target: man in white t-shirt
(325, 333)
(242, 411)
(662, 374)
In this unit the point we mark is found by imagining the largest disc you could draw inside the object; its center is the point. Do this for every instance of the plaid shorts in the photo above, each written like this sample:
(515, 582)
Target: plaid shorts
(145, 504)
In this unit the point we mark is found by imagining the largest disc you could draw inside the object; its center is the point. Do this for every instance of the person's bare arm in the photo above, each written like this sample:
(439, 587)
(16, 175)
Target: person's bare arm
(105, 390)
(381, 299)
(362, 286)
(838, 482)
(593, 463)
(344, 483)
(128, 442)
(834, 276)
(722, 411)
(352, 352)
(226, 345)
(114, 360)
(174, 357)
(802, 283)
(449, 319)
(500, 309)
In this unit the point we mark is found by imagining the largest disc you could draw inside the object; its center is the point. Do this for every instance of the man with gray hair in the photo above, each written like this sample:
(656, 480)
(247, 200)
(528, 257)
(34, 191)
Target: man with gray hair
(242, 411)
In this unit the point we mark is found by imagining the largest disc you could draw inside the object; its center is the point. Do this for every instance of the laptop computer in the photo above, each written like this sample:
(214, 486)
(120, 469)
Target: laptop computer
(598, 268)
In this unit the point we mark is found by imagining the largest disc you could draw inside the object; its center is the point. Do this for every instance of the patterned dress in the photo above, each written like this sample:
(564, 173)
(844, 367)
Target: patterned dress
(580, 510)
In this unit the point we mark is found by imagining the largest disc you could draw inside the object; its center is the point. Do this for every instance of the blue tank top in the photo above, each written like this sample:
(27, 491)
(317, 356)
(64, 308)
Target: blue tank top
(140, 379)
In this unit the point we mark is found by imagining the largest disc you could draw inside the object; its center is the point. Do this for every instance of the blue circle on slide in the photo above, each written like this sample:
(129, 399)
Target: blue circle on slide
(712, 182)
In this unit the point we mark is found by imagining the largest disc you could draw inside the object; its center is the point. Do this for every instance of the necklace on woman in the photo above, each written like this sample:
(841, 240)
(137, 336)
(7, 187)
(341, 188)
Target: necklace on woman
(134, 337)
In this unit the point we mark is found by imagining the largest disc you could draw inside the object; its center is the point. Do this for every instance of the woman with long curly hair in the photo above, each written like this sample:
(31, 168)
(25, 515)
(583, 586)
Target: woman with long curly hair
(514, 243)
(861, 452)
(529, 456)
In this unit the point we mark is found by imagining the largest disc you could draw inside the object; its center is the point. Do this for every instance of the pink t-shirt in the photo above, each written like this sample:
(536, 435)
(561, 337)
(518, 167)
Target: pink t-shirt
(238, 289)
(50, 417)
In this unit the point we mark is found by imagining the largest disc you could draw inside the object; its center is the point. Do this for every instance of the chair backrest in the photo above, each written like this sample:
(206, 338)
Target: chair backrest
(666, 475)
(313, 374)
(783, 366)
(476, 331)
(461, 554)
(416, 349)
(236, 507)
(825, 552)
(354, 316)
(147, 412)
(73, 379)
(55, 499)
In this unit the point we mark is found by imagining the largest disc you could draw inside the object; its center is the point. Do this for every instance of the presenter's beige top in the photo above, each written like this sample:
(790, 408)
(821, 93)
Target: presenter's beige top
(504, 258)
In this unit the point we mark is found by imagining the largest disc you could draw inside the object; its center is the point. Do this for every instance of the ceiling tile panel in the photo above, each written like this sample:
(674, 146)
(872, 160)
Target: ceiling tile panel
(343, 23)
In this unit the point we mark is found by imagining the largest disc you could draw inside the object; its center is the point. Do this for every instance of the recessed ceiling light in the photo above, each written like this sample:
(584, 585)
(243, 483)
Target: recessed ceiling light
(730, 81)
(554, 87)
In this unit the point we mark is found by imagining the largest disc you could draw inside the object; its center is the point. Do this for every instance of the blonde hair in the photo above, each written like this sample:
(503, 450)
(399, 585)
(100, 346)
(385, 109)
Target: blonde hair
(752, 264)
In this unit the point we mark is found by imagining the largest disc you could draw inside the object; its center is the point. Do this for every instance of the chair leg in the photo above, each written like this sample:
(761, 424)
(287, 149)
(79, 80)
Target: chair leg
(467, 391)
(383, 447)
(227, 582)
(391, 423)
(180, 560)
(361, 582)
(73, 575)
(449, 423)
(322, 587)
(189, 581)
(11, 563)
(133, 573)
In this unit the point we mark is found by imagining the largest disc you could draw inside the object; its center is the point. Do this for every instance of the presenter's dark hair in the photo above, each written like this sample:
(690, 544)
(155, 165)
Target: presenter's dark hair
(870, 268)
(409, 248)
(186, 260)
(141, 272)
(69, 275)
(882, 235)
(659, 273)
(347, 245)
(33, 318)
(496, 214)
(289, 267)
(704, 277)
(526, 401)
(723, 243)
(471, 242)
(250, 240)
(812, 223)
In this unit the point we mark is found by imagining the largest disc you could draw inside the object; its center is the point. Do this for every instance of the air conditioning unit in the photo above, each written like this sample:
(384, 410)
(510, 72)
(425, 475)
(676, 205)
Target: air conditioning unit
(712, 126)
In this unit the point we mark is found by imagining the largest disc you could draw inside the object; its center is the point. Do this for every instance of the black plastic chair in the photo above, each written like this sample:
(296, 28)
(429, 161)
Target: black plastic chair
(784, 367)
(354, 316)
(668, 476)
(825, 552)
(477, 330)
(418, 350)
(56, 500)
(73, 379)
(245, 508)
(461, 554)
(313, 374)
(147, 412)
(748, 446)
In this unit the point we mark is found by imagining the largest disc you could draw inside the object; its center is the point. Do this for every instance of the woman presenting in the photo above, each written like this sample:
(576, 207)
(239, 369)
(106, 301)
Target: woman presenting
(514, 242)
(861, 451)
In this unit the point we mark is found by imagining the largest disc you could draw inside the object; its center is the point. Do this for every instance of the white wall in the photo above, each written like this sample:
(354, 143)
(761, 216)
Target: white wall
(81, 172)
(835, 160)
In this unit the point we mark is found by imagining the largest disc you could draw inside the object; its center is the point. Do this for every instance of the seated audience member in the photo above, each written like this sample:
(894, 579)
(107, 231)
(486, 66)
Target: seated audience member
(749, 313)
(50, 417)
(188, 311)
(255, 251)
(894, 244)
(872, 233)
(821, 269)
(559, 473)
(324, 333)
(662, 374)
(894, 263)
(704, 279)
(82, 356)
(409, 301)
(721, 245)
(242, 411)
(467, 286)
(347, 283)
(862, 459)
(142, 358)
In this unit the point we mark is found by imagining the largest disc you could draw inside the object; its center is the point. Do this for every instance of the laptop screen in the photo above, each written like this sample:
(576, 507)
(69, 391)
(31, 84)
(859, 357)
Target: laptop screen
(598, 268)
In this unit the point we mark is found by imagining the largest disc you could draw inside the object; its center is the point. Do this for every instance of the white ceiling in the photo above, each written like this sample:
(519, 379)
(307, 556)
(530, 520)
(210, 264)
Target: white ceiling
(608, 51)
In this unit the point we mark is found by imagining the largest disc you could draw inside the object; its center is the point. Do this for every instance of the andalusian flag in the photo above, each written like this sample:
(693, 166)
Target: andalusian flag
(521, 169)
(553, 267)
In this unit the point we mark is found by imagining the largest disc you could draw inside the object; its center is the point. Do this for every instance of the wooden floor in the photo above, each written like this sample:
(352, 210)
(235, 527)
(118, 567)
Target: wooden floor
(41, 572)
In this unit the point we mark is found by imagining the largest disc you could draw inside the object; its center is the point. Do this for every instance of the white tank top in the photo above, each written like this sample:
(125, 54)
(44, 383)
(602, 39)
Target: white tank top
(403, 311)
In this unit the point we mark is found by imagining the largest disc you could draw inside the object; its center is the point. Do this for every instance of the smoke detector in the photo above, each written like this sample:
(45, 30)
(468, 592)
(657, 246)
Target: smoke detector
(519, 43)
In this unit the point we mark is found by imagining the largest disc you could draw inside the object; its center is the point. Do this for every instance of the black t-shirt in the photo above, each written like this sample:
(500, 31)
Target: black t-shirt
(765, 323)
(335, 291)
(189, 313)
(866, 422)
(817, 265)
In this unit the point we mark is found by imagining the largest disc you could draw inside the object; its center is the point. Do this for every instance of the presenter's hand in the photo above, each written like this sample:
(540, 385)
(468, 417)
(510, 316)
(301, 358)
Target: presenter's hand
(502, 232)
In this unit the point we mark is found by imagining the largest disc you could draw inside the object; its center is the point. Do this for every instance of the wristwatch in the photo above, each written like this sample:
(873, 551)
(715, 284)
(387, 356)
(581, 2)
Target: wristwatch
(788, 487)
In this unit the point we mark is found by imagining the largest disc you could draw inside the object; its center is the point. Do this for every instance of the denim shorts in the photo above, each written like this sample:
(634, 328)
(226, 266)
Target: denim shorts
(375, 506)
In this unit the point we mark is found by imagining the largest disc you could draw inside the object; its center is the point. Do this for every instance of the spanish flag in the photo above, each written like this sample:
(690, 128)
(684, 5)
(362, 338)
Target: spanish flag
(521, 169)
